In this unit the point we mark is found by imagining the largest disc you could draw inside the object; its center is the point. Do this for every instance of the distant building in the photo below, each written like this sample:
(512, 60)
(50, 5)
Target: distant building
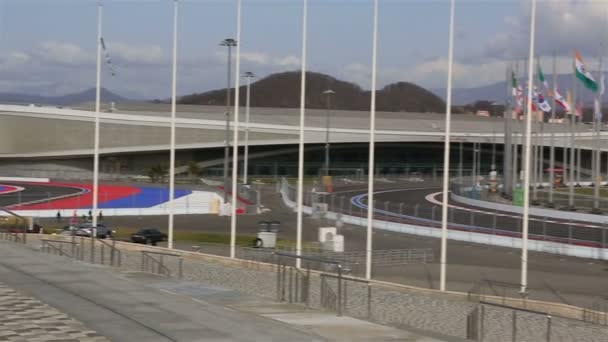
(483, 113)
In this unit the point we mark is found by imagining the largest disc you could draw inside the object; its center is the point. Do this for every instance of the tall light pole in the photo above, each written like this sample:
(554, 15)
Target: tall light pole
(372, 148)
(300, 199)
(527, 159)
(230, 43)
(97, 123)
(446, 154)
(248, 75)
(172, 143)
(328, 94)
(235, 134)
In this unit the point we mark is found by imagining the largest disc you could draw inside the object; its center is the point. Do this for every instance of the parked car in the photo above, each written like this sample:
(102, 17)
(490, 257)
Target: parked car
(86, 230)
(148, 235)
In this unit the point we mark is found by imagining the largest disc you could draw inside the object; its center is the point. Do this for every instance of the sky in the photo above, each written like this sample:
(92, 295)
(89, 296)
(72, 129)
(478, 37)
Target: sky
(49, 47)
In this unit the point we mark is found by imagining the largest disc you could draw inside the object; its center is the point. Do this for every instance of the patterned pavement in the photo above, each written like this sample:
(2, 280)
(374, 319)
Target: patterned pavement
(24, 318)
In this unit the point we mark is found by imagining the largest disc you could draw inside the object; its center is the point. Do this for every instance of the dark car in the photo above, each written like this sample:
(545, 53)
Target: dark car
(148, 236)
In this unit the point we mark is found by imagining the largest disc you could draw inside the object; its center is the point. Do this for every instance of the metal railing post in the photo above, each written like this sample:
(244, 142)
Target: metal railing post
(472, 221)
(514, 327)
(290, 283)
(92, 248)
(369, 301)
(142, 260)
(307, 284)
(339, 290)
(548, 328)
(570, 231)
(278, 280)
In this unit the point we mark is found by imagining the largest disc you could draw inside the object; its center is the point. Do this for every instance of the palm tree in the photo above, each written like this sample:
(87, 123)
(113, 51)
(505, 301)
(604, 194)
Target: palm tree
(194, 170)
(157, 173)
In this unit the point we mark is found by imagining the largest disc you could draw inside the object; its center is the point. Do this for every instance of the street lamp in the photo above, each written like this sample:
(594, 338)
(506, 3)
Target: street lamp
(229, 42)
(328, 93)
(248, 75)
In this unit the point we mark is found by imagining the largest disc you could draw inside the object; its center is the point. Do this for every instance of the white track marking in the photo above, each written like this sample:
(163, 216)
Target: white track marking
(431, 198)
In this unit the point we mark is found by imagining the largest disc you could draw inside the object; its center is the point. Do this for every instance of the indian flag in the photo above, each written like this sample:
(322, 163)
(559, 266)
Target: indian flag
(582, 73)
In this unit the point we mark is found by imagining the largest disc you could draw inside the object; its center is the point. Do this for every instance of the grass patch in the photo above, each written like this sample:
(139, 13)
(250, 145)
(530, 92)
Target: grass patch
(585, 191)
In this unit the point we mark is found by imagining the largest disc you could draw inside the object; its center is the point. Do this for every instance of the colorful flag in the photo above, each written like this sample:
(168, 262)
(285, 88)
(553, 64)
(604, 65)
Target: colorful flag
(561, 101)
(541, 78)
(107, 58)
(597, 105)
(542, 103)
(582, 73)
(579, 110)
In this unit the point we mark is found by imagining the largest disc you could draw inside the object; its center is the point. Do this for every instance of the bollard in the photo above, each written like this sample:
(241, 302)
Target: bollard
(180, 269)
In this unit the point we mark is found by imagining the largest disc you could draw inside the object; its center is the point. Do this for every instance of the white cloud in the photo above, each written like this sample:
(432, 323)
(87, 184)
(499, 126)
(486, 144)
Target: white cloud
(255, 57)
(63, 53)
(289, 61)
(135, 54)
(561, 26)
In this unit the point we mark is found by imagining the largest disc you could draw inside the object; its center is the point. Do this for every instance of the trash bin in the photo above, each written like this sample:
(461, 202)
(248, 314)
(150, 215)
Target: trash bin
(263, 226)
(274, 226)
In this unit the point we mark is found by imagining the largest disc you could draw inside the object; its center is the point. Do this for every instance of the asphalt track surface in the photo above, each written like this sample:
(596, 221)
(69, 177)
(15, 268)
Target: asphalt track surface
(419, 204)
(35, 193)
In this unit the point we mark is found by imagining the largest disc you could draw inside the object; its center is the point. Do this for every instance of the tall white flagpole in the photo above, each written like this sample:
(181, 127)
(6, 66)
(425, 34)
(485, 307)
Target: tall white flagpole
(372, 147)
(97, 123)
(446, 154)
(235, 127)
(172, 147)
(248, 75)
(300, 199)
(526, 214)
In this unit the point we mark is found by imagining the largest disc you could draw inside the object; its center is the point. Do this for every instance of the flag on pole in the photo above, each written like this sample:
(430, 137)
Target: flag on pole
(582, 73)
(107, 57)
(561, 101)
(597, 105)
(542, 103)
(543, 80)
(579, 110)
(517, 93)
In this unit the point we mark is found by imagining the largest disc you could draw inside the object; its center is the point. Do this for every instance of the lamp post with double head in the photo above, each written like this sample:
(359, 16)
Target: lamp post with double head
(230, 43)
(328, 94)
(248, 75)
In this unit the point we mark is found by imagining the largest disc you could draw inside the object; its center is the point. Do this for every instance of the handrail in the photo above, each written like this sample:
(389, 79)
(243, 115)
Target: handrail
(145, 256)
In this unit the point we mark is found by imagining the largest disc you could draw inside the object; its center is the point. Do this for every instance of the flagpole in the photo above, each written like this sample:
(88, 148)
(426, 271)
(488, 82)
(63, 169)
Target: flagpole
(572, 152)
(301, 143)
(173, 110)
(97, 122)
(372, 145)
(526, 213)
(507, 149)
(552, 151)
(235, 129)
(596, 153)
(446, 153)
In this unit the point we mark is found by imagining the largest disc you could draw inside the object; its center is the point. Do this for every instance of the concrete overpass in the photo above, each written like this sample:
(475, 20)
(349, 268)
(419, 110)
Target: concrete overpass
(34, 132)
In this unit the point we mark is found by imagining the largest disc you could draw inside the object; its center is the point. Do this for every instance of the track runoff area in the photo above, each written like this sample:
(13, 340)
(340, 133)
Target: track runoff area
(47, 199)
(420, 204)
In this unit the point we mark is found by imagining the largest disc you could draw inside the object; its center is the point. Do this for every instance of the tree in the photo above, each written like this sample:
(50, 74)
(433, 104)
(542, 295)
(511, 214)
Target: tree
(157, 173)
(194, 170)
